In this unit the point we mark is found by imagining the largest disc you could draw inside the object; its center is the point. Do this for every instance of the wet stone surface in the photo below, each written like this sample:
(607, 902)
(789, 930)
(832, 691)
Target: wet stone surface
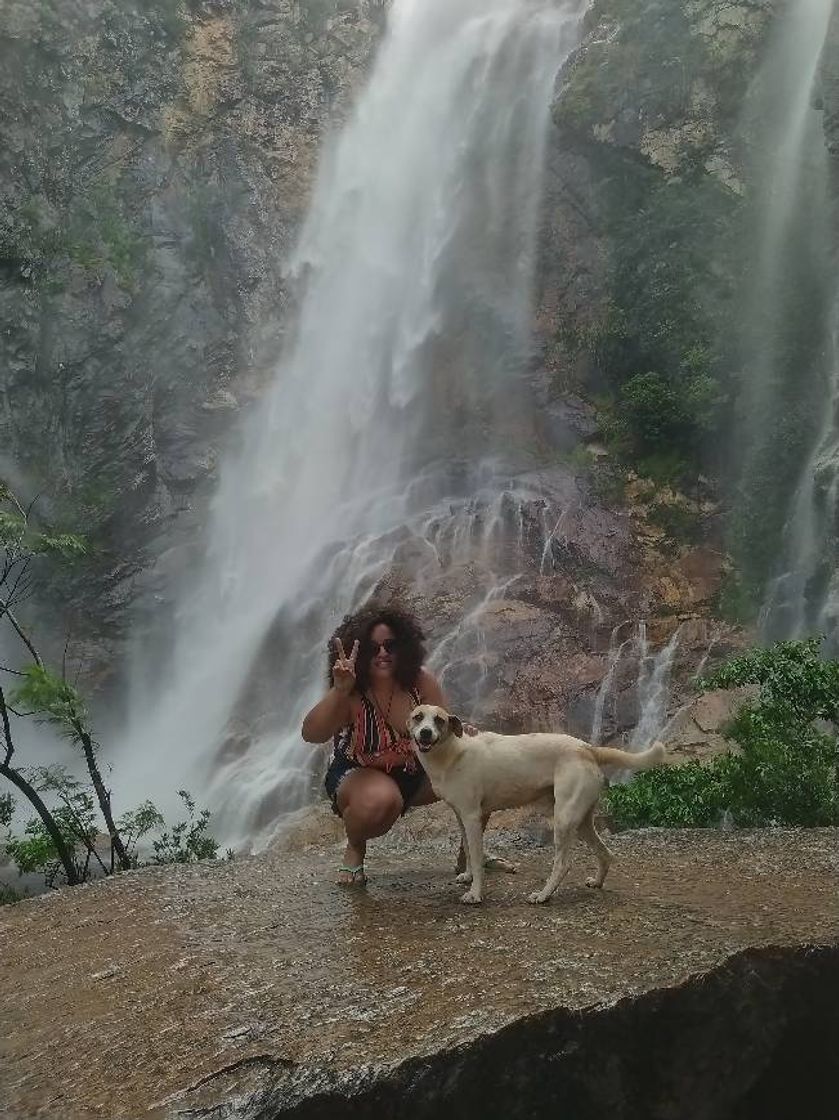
(179, 989)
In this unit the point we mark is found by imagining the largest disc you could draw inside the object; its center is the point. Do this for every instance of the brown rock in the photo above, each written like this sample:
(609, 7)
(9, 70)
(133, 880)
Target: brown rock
(257, 988)
(713, 710)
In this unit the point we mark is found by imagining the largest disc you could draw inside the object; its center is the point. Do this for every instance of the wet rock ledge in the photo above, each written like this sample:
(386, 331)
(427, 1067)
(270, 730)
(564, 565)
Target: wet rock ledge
(702, 983)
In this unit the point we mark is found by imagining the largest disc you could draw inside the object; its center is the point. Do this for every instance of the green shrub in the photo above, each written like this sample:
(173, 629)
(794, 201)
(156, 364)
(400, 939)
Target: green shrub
(787, 768)
(676, 521)
(188, 841)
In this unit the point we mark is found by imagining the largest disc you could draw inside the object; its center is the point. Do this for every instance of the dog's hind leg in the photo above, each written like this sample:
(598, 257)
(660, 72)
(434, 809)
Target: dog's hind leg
(475, 847)
(572, 796)
(563, 842)
(589, 835)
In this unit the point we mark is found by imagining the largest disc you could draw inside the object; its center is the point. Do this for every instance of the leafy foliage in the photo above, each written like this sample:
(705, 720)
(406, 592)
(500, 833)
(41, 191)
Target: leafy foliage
(34, 851)
(187, 841)
(66, 841)
(787, 768)
(44, 694)
(75, 815)
(12, 528)
(9, 895)
(7, 808)
(70, 546)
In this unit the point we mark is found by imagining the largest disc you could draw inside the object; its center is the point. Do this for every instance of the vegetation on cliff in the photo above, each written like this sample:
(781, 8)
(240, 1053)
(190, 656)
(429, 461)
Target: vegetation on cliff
(664, 103)
(784, 766)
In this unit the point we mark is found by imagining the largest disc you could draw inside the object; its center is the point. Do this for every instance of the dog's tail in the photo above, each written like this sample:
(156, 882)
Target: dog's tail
(642, 760)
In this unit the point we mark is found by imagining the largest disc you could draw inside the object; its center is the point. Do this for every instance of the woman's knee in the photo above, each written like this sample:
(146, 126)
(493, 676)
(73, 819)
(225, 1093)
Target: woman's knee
(373, 810)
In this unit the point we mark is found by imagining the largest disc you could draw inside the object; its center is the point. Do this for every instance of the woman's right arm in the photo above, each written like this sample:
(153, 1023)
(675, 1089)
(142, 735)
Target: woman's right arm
(334, 711)
(327, 717)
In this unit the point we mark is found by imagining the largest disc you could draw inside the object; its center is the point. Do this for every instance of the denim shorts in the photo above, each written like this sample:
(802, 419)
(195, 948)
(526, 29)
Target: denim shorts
(408, 781)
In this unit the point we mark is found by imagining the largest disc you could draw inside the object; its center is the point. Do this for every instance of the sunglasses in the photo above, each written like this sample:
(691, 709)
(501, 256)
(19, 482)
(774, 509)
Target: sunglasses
(389, 645)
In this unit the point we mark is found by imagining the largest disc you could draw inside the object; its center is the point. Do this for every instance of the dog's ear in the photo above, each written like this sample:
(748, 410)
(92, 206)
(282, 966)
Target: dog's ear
(455, 726)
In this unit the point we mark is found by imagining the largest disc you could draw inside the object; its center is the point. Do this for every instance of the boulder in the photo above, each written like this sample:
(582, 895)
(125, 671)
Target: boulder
(700, 983)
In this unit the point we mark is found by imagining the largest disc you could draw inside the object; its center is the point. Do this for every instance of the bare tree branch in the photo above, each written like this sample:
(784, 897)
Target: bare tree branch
(21, 633)
(7, 729)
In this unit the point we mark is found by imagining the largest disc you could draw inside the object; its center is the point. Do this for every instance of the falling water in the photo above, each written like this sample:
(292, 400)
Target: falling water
(653, 688)
(652, 683)
(606, 690)
(414, 270)
(792, 353)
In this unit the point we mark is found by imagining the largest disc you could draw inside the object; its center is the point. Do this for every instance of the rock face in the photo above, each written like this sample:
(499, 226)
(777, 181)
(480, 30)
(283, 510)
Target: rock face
(155, 166)
(699, 984)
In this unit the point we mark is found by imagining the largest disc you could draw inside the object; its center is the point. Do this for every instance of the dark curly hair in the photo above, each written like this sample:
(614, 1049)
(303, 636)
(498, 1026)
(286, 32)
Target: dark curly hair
(359, 626)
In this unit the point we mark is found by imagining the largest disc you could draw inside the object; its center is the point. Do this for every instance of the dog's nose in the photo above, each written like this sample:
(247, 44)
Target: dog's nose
(426, 735)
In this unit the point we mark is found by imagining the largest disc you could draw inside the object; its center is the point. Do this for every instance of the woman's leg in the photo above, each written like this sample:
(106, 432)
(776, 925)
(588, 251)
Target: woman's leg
(370, 803)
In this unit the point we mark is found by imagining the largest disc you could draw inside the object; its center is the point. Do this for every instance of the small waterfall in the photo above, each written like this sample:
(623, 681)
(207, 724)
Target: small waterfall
(652, 684)
(414, 272)
(790, 351)
(606, 690)
(653, 688)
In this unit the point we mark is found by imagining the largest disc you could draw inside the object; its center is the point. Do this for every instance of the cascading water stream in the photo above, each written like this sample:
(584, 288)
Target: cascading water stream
(606, 690)
(652, 683)
(414, 271)
(653, 688)
(791, 351)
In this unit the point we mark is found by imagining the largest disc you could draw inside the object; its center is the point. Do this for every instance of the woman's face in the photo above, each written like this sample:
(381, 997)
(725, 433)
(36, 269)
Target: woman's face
(381, 649)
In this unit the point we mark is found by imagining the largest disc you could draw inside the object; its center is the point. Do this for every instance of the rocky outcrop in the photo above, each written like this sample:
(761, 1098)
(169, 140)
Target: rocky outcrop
(700, 984)
(651, 97)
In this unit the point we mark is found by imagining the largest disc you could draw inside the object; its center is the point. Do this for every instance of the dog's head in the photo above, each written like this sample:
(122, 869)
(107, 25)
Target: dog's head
(429, 725)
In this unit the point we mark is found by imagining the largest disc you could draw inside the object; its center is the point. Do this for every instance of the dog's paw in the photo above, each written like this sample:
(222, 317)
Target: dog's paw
(537, 897)
(471, 898)
(464, 877)
(594, 882)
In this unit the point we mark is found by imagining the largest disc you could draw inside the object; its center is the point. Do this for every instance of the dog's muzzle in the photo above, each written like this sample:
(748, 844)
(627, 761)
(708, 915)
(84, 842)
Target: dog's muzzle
(425, 739)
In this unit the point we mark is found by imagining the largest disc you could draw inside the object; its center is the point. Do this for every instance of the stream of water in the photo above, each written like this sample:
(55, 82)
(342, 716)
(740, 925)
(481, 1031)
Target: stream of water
(793, 358)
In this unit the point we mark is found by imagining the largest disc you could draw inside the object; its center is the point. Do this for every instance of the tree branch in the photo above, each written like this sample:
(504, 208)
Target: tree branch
(21, 633)
(32, 796)
(7, 729)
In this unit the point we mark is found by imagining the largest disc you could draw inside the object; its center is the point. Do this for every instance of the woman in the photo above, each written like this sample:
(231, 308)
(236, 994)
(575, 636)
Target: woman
(374, 776)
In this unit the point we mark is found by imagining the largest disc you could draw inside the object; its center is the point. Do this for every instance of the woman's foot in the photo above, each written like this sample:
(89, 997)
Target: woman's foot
(351, 871)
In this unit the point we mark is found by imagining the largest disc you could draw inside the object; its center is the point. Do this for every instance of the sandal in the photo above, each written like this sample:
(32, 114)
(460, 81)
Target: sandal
(357, 878)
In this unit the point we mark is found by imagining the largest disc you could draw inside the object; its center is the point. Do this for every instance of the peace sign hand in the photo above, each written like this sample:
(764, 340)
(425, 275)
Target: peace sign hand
(343, 671)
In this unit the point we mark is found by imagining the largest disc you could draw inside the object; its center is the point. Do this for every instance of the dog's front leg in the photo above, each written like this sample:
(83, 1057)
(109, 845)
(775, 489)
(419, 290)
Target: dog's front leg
(474, 831)
(464, 864)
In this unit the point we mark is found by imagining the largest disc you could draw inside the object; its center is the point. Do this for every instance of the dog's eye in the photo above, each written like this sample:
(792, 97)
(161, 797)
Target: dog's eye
(439, 721)
(417, 717)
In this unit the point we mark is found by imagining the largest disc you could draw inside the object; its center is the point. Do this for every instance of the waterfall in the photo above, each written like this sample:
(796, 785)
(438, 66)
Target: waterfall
(652, 684)
(653, 688)
(791, 351)
(606, 690)
(398, 385)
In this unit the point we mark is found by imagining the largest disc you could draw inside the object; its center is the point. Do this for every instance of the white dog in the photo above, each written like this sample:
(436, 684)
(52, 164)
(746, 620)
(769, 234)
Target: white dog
(484, 772)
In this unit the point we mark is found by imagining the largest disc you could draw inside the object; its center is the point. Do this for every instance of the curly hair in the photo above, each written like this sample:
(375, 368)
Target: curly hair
(359, 626)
